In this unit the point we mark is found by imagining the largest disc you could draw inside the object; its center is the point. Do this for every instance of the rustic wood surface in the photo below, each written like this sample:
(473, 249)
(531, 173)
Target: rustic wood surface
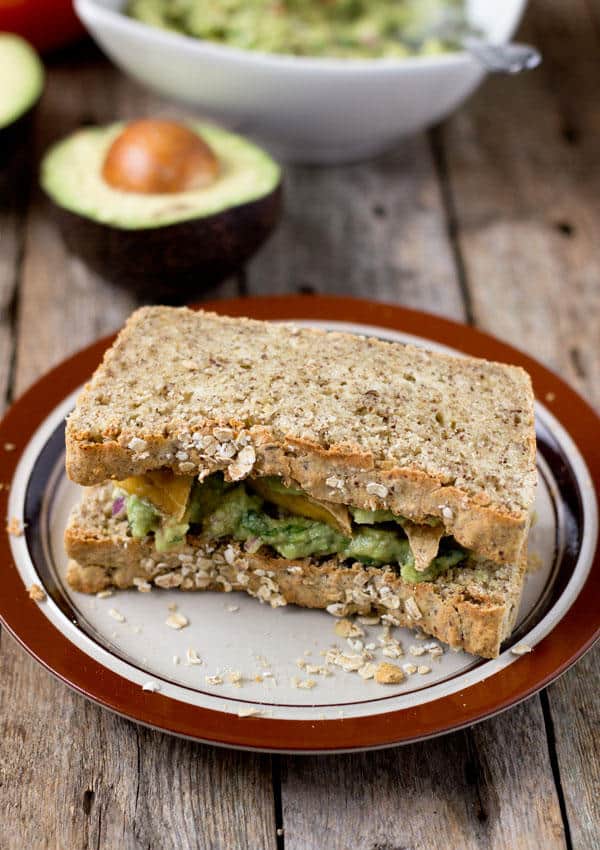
(493, 218)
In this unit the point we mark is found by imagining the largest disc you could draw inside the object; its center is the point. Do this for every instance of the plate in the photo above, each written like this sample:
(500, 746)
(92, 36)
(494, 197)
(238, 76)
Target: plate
(244, 675)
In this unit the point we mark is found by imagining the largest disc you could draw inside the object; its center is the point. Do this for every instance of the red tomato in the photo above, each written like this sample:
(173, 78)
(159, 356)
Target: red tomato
(44, 23)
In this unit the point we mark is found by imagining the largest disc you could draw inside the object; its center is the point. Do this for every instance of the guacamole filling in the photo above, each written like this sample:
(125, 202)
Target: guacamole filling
(337, 28)
(263, 513)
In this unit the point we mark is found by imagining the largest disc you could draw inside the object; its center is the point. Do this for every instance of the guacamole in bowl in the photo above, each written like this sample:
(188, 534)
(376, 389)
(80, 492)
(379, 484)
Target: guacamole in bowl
(354, 29)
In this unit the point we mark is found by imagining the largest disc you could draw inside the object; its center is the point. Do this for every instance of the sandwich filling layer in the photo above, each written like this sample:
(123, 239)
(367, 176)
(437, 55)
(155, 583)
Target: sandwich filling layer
(265, 512)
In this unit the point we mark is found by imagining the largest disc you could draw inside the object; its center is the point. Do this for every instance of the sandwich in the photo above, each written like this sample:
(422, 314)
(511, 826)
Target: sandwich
(308, 467)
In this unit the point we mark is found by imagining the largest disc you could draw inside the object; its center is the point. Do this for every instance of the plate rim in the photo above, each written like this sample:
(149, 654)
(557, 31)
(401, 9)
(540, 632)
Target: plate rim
(567, 641)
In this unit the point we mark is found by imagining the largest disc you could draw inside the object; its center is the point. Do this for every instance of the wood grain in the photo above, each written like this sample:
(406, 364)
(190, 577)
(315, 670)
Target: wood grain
(71, 774)
(373, 229)
(13, 198)
(526, 188)
(488, 787)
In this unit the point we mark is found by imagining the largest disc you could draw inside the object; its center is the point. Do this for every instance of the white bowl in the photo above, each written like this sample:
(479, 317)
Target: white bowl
(304, 109)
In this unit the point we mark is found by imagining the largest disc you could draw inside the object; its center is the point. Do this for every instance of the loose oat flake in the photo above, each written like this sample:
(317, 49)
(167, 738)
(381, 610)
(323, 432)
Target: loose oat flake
(116, 615)
(176, 621)
(248, 711)
(521, 649)
(192, 657)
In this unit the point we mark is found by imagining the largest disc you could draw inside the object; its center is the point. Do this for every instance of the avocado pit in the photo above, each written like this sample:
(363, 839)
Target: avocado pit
(152, 156)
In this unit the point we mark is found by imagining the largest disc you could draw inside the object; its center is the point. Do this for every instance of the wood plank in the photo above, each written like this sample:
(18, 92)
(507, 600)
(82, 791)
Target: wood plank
(488, 787)
(374, 229)
(13, 195)
(527, 193)
(72, 774)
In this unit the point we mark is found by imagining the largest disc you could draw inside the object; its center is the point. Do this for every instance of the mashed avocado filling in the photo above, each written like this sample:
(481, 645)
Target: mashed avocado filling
(266, 513)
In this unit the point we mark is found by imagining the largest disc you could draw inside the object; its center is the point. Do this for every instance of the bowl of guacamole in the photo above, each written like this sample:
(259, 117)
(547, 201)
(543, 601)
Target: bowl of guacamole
(316, 81)
(346, 29)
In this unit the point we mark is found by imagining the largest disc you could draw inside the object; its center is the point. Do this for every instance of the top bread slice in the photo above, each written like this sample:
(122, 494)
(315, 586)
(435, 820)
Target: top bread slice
(351, 419)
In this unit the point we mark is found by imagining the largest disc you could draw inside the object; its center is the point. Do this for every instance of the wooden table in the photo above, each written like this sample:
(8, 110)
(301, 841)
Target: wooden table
(493, 219)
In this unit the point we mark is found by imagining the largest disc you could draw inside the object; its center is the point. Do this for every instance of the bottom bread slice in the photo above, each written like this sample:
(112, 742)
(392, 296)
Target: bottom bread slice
(471, 607)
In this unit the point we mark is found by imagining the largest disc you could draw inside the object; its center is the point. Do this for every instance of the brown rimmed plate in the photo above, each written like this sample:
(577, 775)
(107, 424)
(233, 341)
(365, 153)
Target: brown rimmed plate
(110, 660)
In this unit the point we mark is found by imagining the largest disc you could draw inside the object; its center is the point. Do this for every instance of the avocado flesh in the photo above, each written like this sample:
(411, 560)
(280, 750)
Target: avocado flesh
(21, 78)
(71, 174)
(225, 510)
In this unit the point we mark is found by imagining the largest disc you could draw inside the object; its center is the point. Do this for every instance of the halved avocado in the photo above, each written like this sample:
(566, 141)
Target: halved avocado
(166, 246)
(21, 84)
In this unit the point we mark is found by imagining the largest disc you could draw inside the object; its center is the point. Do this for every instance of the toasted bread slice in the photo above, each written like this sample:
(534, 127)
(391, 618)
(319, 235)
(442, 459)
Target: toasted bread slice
(471, 607)
(350, 419)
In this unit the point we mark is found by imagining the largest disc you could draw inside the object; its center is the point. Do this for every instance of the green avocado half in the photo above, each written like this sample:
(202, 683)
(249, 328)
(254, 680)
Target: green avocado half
(21, 84)
(165, 246)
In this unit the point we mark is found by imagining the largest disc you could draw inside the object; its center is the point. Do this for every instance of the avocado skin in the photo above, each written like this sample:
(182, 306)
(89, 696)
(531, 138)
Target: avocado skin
(173, 263)
(15, 138)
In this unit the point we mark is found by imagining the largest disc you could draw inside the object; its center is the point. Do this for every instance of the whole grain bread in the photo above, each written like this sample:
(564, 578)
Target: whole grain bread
(350, 419)
(471, 607)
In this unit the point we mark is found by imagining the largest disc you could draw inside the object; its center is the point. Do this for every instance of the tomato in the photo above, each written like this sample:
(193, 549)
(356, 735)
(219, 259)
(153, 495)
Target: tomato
(44, 23)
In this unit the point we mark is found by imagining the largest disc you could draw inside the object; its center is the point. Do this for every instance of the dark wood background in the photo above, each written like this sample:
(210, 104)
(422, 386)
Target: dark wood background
(492, 218)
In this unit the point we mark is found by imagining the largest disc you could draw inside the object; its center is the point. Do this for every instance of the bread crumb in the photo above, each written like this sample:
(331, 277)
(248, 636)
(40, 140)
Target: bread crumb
(9, 447)
(176, 621)
(409, 668)
(423, 669)
(151, 686)
(416, 650)
(213, 680)
(36, 593)
(388, 674)
(104, 594)
(116, 615)
(14, 527)
(142, 585)
(521, 649)
(346, 628)
(235, 678)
